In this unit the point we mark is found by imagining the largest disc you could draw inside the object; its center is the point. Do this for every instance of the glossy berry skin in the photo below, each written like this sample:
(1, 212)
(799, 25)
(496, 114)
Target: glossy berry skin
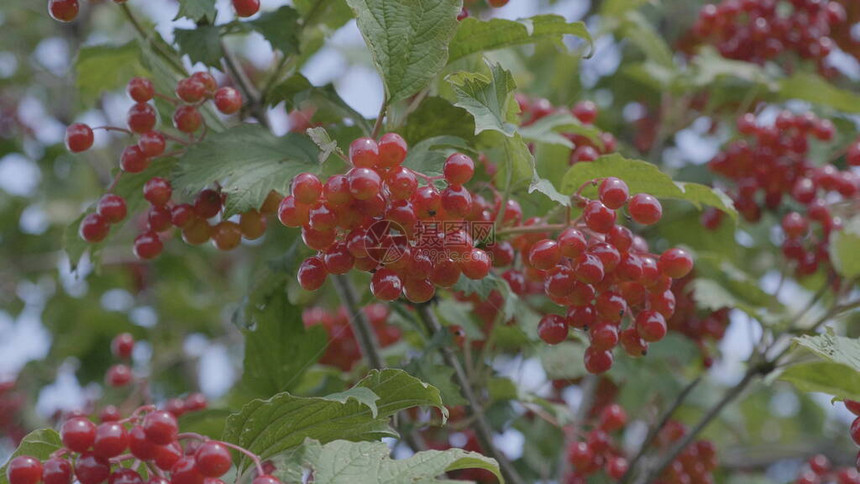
(112, 208)
(386, 285)
(187, 119)
(208, 81)
(266, 479)
(246, 8)
(24, 470)
(312, 274)
(152, 144)
(227, 235)
(392, 150)
(122, 345)
(56, 470)
(675, 263)
(613, 192)
(160, 427)
(457, 201)
(476, 265)
(855, 430)
(364, 183)
(78, 434)
(147, 245)
(852, 406)
(213, 459)
(228, 100)
(111, 440)
(364, 153)
(157, 191)
(167, 455)
(79, 137)
(552, 329)
(184, 471)
(125, 476)
(91, 469)
(598, 361)
(612, 418)
(401, 183)
(580, 455)
(140, 446)
(544, 254)
(458, 169)
(645, 209)
(141, 118)
(190, 90)
(306, 188)
(651, 325)
(572, 242)
(94, 228)
(63, 10)
(133, 160)
(585, 111)
(292, 213)
(598, 217)
(140, 89)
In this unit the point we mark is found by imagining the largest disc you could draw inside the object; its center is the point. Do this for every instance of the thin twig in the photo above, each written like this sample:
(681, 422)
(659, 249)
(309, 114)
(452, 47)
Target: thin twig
(179, 68)
(360, 324)
(483, 431)
(377, 127)
(245, 85)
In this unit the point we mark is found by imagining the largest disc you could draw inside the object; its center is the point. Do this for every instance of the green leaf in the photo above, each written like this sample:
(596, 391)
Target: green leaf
(490, 99)
(435, 117)
(642, 34)
(323, 140)
(844, 247)
(834, 379)
(344, 462)
(269, 427)
(440, 376)
(280, 349)
(547, 128)
(474, 35)
(249, 162)
(39, 444)
(101, 68)
(407, 39)
(202, 44)
(280, 28)
(829, 346)
(297, 92)
(643, 177)
(197, 10)
(428, 156)
(563, 361)
(813, 88)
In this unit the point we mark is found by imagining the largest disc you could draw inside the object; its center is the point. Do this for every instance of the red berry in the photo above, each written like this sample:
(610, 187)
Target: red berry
(386, 285)
(140, 89)
(651, 325)
(426, 201)
(213, 459)
(613, 192)
(572, 243)
(610, 306)
(226, 235)
(24, 470)
(184, 471)
(228, 100)
(157, 191)
(675, 263)
(110, 414)
(266, 479)
(446, 272)
(584, 154)
(139, 446)
(56, 470)
(364, 153)
(645, 209)
(633, 343)
(133, 160)
(476, 265)
(418, 290)
(401, 183)
(598, 217)
(589, 269)
(852, 156)
(122, 345)
(852, 406)
(246, 8)
(552, 329)
(603, 335)
(855, 430)
(160, 427)
(167, 455)
(181, 215)
(79, 136)
(94, 228)
(819, 464)
(585, 111)
(794, 225)
(616, 467)
(364, 183)
(147, 245)
(208, 81)
(613, 417)
(392, 150)
(544, 254)
(125, 476)
(457, 201)
(78, 434)
(312, 274)
(158, 218)
(195, 401)
(580, 455)
(141, 118)
(598, 361)
(458, 169)
(187, 119)
(291, 213)
(111, 440)
(63, 10)
(151, 144)
(112, 208)
(207, 204)
(190, 90)
(91, 469)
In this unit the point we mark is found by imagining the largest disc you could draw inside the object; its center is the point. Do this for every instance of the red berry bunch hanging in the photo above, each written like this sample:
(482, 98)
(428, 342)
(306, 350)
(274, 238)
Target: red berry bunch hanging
(818, 470)
(343, 350)
(773, 171)
(762, 30)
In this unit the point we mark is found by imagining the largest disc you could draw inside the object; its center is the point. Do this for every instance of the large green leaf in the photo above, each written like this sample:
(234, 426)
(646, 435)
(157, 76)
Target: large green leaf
(101, 68)
(345, 462)
(279, 349)
(39, 444)
(489, 99)
(436, 116)
(280, 28)
(474, 35)
(844, 247)
(297, 92)
(813, 88)
(202, 44)
(249, 162)
(563, 361)
(547, 129)
(643, 177)
(642, 34)
(408, 40)
(269, 427)
(829, 346)
(827, 377)
(197, 10)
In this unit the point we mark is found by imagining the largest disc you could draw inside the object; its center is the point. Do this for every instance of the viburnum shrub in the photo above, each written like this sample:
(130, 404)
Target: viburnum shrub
(608, 242)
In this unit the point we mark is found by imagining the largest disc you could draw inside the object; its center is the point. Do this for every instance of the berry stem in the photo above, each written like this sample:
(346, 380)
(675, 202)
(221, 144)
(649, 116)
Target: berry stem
(167, 56)
(120, 458)
(258, 463)
(358, 320)
(175, 139)
(114, 128)
(172, 100)
(115, 181)
(482, 428)
(377, 127)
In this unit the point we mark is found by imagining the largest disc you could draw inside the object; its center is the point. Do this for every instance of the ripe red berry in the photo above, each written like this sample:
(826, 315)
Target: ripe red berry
(56, 470)
(312, 273)
(152, 144)
(157, 191)
(207, 204)
(122, 345)
(141, 117)
(111, 440)
(63, 10)
(386, 285)
(585, 111)
(552, 329)
(598, 361)
(633, 343)
(246, 8)
(613, 417)
(133, 160)
(580, 455)
(675, 263)
(458, 169)
(852, 406)
(401, 183)
(616, 467)
(112, 208)
(140, 89)
(613, 192)
(364, 183)
(794, 225)
(213, 459)
(24, 469)
(476, 265)
(190, 90)
(125, 476)
(544, 254)
(364, 153)
(645, 209)
(139, 446)
(572, 242)
(603, 335)
(208, 81)
(91, 469)
(855, 430)
(598, 217)
(79, 136)
(589, 269)
(187, 119)
(78, 434)
(651, 325)
(147, 245)
(160, 427)
(184, 471)
(266, 479)
(457, 201)
(392, 150)
(94, 228)
(228, 100)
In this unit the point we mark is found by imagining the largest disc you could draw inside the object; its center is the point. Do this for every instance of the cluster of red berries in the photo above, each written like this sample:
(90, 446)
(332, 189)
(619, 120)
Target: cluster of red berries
(377, 218)
(818, 470)
(67, 10)
(762, 30)
(163, 214)
(694, 324)
(602, 273)
(343, 350)
(115, 449)
(584, 148)
(774, 165)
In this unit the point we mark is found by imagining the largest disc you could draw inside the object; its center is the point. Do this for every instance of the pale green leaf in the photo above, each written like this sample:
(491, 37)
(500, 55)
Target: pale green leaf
(812, 88)
(39, 444)
(429, 155)
(827, 377)
(489, 99)
(323, 140)
(829, 346)
(548, 128)
(845, 247)
(101, 68)
(563, 361)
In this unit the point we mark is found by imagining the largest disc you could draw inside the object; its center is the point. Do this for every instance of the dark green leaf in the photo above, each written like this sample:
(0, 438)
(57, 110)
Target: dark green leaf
(489, 99)
(408, 40)
(435, 117)
(297, 92)
(101, 68)
(197, 10)
(202, 44)
(39, 444)
(280, 28)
